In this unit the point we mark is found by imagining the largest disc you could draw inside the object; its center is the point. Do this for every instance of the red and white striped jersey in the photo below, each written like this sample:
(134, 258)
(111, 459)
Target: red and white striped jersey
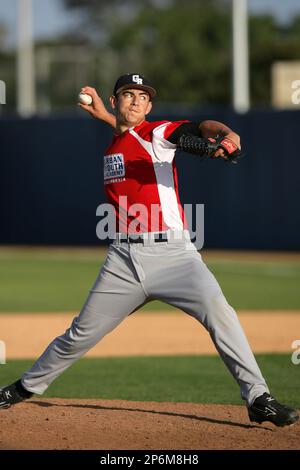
(140, 179)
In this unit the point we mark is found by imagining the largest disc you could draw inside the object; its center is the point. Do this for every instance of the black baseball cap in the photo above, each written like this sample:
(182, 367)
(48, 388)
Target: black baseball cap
(133, 80)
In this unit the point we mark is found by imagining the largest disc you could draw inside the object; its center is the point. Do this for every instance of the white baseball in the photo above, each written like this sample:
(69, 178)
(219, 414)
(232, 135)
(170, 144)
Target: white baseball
(84, 98)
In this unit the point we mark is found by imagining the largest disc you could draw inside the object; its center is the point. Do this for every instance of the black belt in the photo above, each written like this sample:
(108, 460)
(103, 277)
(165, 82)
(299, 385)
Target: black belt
(158, 238)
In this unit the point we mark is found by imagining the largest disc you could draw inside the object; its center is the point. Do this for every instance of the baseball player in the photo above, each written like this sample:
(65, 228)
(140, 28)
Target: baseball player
(156, 258)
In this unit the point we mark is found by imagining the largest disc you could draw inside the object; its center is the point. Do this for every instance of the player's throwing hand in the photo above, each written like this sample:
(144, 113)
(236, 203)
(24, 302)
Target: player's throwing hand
(96, 108)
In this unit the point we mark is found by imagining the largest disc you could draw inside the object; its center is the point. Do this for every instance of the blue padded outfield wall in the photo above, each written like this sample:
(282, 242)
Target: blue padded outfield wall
(51, 181)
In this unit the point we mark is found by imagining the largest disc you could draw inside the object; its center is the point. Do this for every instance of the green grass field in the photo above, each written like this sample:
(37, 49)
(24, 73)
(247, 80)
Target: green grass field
(196, 379)
(59, 280)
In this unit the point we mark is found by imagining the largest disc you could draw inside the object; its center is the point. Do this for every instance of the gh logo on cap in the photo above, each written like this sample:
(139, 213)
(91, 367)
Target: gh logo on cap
(137, 79)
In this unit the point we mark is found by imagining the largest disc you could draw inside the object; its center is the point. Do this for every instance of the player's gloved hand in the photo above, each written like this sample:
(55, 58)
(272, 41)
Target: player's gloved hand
(211, 147)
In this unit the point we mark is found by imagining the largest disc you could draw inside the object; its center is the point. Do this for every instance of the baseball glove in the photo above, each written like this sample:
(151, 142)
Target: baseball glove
(207, 147)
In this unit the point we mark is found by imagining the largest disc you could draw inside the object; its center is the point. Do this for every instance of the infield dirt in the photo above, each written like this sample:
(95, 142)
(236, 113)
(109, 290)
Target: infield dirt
(149, 333)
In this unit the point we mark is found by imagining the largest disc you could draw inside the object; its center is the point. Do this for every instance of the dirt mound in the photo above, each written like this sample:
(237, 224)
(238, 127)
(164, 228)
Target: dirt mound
(113, 424)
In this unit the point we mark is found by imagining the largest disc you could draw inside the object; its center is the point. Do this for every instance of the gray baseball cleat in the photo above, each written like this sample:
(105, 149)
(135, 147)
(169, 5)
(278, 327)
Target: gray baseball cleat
(12, 394)
(266, 408)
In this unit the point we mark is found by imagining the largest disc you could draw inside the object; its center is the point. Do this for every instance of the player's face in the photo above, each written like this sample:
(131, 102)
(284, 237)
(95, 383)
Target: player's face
(132, 106)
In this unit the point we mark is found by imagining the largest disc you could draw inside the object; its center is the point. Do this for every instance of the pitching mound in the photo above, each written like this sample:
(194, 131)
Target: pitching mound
(114, 424)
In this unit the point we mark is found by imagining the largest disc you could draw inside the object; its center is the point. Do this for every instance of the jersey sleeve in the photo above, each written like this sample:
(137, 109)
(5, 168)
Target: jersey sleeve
(163, 149)
(184, 128)
(172, 127)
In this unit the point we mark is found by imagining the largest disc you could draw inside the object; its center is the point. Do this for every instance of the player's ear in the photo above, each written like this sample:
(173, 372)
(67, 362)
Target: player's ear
(113, 101)
(149, 107)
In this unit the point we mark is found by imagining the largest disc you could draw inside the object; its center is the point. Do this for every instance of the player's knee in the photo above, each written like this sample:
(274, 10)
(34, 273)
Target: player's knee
(74, 340)
(219, 312)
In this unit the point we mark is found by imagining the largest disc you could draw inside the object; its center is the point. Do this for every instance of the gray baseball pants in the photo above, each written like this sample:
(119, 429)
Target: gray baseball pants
(134, 274)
